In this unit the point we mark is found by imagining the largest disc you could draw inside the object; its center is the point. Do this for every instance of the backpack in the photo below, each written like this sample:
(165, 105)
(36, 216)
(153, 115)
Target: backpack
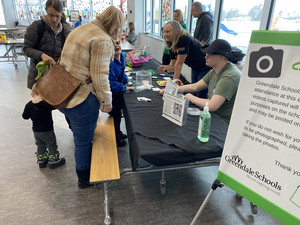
(237, 54)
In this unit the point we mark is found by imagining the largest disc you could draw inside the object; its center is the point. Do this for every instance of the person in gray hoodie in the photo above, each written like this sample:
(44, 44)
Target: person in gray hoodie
(44, 39)
(203, 30)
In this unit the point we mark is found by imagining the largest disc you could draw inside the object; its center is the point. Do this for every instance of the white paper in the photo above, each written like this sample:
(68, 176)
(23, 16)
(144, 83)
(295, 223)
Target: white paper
(171, 87)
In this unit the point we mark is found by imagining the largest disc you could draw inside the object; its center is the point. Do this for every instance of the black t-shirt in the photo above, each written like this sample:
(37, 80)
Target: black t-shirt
(192, 47)
(40, 114)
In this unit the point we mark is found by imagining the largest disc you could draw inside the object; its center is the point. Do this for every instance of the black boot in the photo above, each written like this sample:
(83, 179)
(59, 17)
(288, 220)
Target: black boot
(83, 178)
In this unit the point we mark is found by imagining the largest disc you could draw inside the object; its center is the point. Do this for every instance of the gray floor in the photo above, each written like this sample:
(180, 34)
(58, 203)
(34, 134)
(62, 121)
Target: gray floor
(29, 195)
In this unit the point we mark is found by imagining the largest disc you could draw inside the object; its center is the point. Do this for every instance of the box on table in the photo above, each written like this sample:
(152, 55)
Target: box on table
(3, 38)
(143, 77)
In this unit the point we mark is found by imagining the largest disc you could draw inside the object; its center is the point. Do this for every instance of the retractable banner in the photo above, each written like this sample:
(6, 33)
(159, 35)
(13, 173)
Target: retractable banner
(261, 157)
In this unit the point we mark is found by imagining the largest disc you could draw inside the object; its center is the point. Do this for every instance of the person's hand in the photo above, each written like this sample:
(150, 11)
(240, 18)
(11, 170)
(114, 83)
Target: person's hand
(37, 99)
(189, 97)
(162, 68)
(107, 108)
(162, 91)
(47, 59)
(129, 88)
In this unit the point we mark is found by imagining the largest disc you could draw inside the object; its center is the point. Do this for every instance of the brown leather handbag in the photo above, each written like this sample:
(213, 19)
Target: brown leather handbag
(57, 86)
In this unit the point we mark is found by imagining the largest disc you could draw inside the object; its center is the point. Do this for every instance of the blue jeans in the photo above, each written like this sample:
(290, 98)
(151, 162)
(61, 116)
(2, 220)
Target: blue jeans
(83, 119)
(196, 76)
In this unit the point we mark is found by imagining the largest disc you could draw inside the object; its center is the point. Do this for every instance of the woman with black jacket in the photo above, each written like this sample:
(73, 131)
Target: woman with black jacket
(44, 39)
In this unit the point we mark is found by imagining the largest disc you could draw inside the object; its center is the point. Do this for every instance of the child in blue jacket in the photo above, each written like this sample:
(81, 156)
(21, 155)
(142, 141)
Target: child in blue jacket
(117, 80)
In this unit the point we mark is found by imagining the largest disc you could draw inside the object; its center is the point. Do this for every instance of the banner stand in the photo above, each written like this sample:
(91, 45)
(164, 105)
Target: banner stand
(214, 186)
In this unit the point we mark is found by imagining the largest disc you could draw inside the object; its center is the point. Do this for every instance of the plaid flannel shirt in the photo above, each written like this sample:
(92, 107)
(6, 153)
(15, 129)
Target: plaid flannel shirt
(87, 53)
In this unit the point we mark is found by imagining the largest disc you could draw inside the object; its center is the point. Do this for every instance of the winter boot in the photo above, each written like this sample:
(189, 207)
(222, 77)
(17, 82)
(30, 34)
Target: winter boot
(54, 161)
(42, 160)
(122, 136)
(83, 178)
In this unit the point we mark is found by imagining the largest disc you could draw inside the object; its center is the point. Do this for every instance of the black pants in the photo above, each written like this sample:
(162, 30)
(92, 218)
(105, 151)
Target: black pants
(166, 59)
(116, 112)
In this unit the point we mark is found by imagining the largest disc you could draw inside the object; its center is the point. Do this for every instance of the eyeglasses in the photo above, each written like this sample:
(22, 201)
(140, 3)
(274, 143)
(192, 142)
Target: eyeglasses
(117, 42)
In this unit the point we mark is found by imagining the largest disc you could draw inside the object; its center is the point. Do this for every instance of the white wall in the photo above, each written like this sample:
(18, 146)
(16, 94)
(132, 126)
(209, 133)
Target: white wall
(156, 49)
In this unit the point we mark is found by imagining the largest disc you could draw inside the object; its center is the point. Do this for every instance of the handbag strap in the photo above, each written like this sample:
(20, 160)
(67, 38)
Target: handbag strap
(87, 81)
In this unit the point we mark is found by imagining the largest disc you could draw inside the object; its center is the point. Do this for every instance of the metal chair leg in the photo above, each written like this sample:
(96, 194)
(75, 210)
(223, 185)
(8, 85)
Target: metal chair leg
(107, 219)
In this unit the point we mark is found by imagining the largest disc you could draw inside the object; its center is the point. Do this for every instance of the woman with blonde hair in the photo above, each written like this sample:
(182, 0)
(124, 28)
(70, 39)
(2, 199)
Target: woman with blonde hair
(87, 54)
(177, 16)
(183, 49)
(131, 37)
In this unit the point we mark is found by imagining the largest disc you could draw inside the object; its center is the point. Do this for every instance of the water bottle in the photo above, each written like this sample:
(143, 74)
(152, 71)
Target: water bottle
(204, 124)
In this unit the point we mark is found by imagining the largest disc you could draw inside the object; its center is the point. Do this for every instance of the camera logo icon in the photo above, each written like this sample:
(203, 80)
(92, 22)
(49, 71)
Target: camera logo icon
(266, 62)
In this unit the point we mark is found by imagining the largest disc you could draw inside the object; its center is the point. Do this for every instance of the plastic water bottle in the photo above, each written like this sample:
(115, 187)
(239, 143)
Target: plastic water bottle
(204, 124)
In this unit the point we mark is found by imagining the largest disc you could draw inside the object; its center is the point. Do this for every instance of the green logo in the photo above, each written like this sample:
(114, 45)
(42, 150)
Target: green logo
(296, 196)
(295, 66)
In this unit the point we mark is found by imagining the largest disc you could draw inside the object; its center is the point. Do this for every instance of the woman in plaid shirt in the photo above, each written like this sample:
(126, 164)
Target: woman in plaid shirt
(86, 55)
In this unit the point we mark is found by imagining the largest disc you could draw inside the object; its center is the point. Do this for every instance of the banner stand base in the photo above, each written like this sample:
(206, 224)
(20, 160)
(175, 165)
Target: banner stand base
(214, 186)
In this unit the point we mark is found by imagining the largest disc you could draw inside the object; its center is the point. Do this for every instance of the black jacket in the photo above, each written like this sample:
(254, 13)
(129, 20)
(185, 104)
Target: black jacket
(36, 43)
(40, 114)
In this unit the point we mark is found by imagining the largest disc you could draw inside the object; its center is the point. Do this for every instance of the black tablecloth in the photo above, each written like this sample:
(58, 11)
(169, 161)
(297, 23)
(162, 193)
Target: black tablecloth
(161, 142)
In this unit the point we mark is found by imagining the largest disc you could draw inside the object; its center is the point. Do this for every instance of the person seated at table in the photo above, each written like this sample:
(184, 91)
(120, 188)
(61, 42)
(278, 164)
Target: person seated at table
(131, 37)
(117, 80)
(222, 81)
(184, 49)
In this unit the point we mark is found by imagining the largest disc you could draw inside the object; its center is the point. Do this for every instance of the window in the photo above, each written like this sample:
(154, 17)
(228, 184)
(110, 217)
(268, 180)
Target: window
(238, 19)
(2, 18)
(156, 18)
(286, 16)
(29, 10)
(148, 16)
(99, 6)
(166, 11)
(84, 8)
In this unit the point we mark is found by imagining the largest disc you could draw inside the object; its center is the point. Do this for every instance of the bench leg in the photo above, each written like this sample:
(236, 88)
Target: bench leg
(107, 219)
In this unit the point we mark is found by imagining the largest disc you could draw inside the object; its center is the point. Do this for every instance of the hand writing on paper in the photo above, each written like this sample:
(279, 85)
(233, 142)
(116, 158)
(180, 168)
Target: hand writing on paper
(107, 108)
(47, 59)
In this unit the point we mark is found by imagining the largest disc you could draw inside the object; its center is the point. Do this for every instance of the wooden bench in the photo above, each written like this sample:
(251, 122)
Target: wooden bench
(104, 162)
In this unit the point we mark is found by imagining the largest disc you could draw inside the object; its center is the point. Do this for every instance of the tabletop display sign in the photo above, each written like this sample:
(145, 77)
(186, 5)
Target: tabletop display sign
(74, 16)
(260, 160)
(174, 108)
